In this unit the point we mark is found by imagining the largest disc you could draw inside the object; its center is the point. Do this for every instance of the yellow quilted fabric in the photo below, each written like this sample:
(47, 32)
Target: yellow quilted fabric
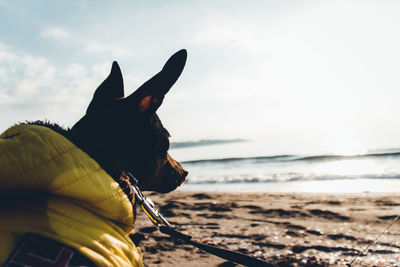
(50, 187)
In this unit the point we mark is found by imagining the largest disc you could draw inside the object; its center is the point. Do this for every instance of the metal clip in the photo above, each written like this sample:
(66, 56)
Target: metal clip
(147, 205)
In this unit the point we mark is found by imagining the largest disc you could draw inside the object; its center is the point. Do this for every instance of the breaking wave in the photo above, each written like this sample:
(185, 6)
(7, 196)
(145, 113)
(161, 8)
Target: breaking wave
(289, 168)
(293, 158)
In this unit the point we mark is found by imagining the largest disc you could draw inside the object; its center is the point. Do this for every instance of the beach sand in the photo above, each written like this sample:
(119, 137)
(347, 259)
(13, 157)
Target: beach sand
(291, 229)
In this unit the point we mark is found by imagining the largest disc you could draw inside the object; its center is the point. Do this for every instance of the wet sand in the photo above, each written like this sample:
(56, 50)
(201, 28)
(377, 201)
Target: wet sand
(303, 229)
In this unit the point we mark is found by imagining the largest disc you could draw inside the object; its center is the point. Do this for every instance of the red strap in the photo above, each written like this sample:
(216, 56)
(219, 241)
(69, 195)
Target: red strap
(30, 259)
(35, 250)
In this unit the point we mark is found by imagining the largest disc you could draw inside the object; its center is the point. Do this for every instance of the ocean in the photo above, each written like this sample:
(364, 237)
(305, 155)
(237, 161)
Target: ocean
(247, 167)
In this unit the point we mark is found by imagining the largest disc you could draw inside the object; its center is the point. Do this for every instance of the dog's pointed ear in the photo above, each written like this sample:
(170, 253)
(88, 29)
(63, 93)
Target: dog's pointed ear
(148, 97)
(110, 89)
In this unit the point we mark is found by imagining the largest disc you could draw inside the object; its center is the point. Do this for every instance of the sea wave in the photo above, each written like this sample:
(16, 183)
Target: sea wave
(235, 159)
(292, 158)
(282, 178)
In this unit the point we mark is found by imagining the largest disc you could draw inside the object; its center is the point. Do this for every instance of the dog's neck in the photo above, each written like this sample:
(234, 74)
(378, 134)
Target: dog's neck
(53, 126)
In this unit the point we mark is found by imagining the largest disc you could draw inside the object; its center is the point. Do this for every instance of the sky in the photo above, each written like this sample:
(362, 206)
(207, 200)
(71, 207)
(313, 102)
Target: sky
(302, 76)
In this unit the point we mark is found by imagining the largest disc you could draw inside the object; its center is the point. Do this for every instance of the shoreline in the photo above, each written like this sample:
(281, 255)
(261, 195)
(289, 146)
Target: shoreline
(371, 185)
(286, 229)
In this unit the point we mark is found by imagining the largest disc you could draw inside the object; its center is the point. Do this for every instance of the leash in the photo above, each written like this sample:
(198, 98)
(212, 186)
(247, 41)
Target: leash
(166, 228)
(374, 241)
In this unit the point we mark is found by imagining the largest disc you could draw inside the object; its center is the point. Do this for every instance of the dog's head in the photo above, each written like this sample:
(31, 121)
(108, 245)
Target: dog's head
(125, 134)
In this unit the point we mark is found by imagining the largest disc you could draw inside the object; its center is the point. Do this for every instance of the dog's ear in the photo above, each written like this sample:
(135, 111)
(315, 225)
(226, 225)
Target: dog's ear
(148, 97)
(110, 89)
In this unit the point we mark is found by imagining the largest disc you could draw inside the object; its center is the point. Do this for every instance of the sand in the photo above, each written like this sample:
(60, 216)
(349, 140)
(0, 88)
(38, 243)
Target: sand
(284, 229)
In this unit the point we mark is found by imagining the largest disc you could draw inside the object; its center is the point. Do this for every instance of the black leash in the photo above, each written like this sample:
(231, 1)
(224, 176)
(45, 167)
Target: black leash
(220, 252)
(166, 228)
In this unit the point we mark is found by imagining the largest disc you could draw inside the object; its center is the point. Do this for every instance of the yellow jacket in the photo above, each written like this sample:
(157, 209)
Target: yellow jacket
(50, 187)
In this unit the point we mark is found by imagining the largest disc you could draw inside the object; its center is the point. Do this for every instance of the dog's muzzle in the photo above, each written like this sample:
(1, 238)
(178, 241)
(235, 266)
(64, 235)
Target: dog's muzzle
(173, 176)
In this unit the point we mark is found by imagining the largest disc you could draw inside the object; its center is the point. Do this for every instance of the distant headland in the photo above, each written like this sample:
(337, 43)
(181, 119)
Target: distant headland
(204, 142)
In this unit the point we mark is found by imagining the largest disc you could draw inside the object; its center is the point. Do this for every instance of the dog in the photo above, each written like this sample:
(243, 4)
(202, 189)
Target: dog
(125, 134)
(121, 134)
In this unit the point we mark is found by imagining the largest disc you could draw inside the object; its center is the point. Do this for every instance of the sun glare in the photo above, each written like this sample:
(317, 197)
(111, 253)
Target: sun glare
(346, 145)
(349, 167)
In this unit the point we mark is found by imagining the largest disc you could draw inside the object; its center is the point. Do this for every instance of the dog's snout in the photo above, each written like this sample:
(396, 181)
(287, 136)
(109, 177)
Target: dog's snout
(173, 175)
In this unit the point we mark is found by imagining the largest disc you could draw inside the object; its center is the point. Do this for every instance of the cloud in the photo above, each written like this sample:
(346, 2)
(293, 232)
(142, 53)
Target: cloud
(101, 48)
(225, 30)
(6, 56)
(32, 88)
(83, 43)
(55, 33)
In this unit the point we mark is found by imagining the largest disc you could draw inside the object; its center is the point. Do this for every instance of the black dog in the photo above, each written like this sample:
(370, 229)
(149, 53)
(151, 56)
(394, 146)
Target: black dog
(126, 135)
